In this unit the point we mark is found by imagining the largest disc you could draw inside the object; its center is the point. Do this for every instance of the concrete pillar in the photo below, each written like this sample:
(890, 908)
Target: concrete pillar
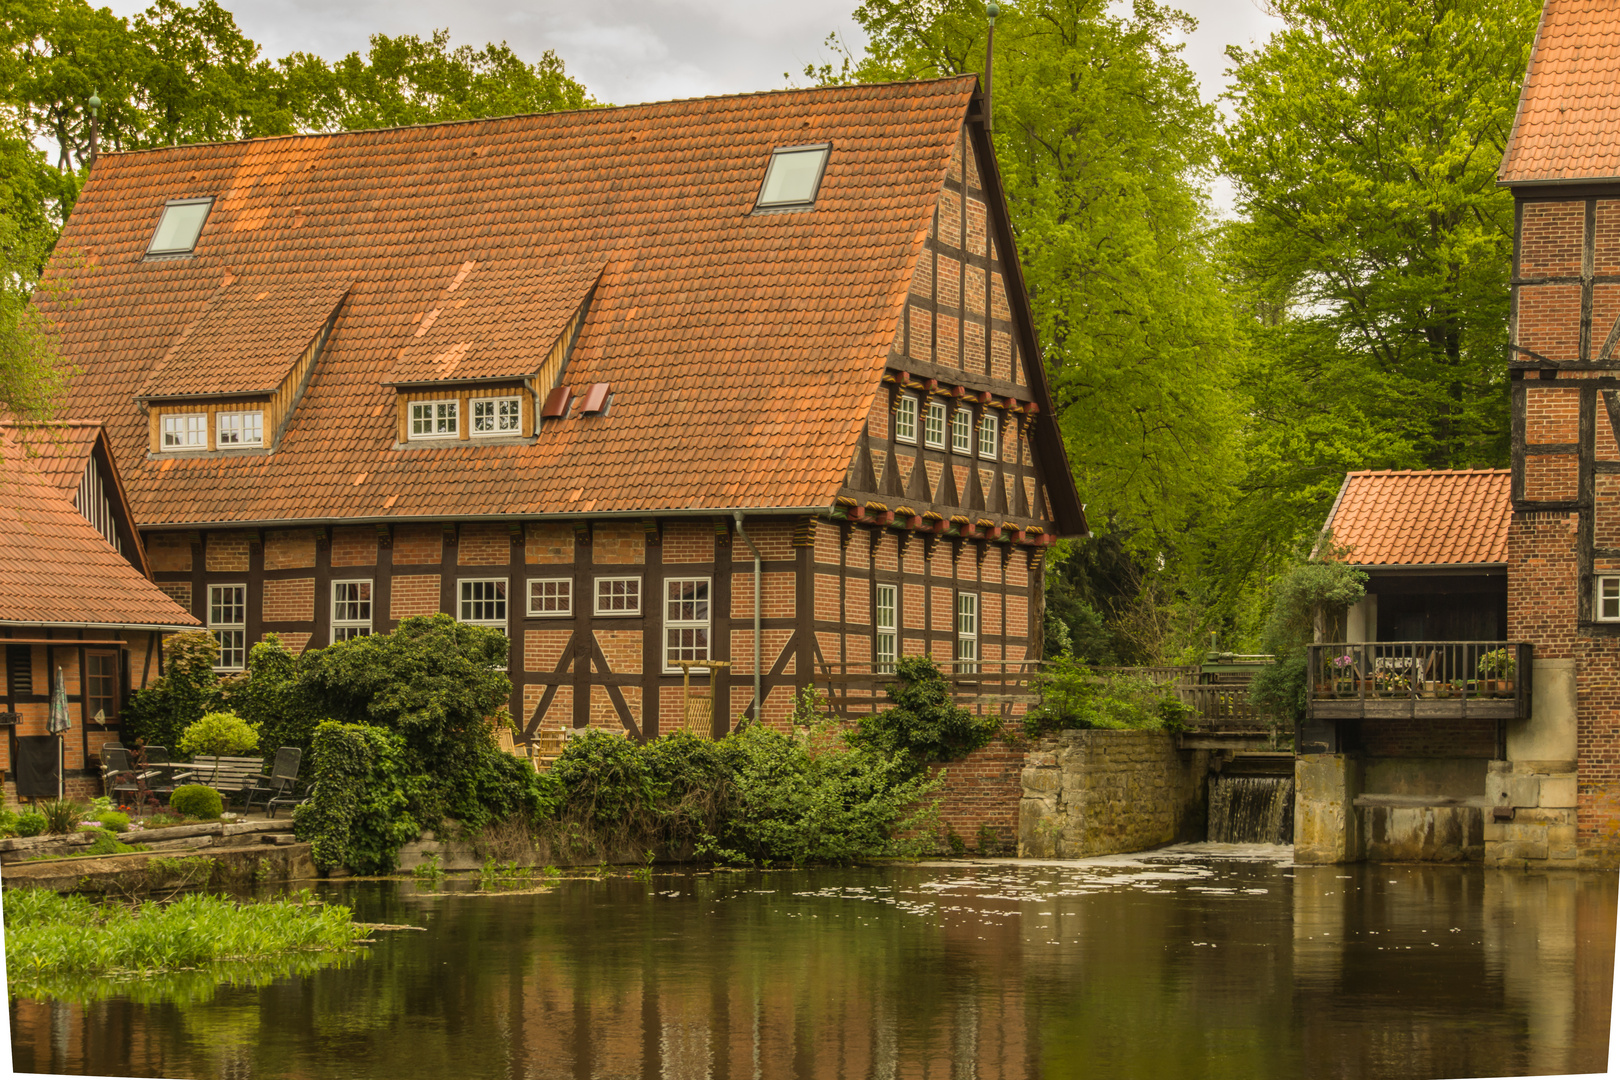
(1535, 788)
(1326, 827)
(1361, 620)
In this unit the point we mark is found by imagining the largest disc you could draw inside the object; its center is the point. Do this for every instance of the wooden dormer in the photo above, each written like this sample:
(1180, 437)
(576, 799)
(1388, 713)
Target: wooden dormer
(230, 382)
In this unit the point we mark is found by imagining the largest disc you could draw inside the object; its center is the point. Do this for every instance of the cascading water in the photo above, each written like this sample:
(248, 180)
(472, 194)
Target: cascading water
(1251, 809)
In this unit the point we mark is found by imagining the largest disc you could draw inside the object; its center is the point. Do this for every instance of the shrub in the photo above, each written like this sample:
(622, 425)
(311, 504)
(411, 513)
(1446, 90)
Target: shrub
(30, 823)
(267, 694)
(62, 815)
(105, 843)
(1307, 593)
(924, 724)
(359, 814)
(219, 733)
(197, 801)
(113, 821)
(1074, 696)
(188, 688)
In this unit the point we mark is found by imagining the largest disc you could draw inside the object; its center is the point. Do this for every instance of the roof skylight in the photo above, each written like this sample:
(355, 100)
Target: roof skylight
(179, 227)
(793, 177)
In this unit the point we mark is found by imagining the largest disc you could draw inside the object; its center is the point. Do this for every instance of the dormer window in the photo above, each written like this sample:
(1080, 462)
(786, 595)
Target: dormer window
(435, 419)
(240, 429)
(185, 431)
(179, 227)
(497, 416)
(793, 177)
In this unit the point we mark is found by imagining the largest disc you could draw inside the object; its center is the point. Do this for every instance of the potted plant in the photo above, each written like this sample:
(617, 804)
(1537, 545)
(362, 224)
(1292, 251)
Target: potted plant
(1496, 668)
(1344, 676)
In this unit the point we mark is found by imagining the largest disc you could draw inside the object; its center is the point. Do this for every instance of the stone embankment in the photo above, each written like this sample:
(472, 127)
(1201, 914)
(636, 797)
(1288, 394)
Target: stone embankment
(249, 852)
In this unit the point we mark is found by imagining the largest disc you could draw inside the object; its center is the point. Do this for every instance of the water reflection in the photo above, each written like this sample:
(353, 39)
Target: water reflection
(1188, 962)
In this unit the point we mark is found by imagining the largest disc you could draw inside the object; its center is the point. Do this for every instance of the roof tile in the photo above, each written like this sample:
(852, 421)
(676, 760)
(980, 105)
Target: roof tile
(1424, 518)
(1565, 126)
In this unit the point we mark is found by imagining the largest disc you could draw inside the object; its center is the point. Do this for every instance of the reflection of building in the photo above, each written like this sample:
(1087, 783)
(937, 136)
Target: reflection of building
(1434, 658)
(597, 379)
(74, 595)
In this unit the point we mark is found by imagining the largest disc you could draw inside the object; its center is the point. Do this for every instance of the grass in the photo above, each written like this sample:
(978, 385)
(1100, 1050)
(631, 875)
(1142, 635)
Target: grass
(54, 942)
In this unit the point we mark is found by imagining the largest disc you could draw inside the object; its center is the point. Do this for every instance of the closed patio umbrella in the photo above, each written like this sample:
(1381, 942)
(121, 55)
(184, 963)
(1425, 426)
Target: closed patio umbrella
(58, 722)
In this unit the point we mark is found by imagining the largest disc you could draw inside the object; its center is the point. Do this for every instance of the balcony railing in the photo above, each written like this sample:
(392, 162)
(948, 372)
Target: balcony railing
(1487, 680)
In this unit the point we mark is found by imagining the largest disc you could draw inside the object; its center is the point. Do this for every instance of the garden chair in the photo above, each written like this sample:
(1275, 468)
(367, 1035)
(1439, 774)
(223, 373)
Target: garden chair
(160, 770)
(277, 788)
(122, 782)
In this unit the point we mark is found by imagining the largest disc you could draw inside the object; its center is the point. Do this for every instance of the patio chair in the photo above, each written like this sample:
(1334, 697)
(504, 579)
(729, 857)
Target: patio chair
(278, 786)
(162, 773)
(120, 779)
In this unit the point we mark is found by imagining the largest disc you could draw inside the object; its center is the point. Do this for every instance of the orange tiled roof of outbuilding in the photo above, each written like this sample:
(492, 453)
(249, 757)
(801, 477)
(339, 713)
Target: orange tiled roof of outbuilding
(1565, 127)
(1438, 517)
(744, 349)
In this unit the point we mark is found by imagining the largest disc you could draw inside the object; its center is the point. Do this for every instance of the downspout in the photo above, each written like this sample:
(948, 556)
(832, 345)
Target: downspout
(759, 660)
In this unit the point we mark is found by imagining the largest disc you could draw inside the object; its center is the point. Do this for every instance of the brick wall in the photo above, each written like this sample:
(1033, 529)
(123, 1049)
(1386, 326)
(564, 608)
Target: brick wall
(356, 546)
(227, 552)
(1541, 583)
(484, 544)
(289, 600)
(1429, 738)
(983, 789)
(418, 545)
(414, 594)
(289, 549)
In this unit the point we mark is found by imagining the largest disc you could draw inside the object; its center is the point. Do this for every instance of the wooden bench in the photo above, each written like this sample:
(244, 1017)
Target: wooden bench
(226, 775)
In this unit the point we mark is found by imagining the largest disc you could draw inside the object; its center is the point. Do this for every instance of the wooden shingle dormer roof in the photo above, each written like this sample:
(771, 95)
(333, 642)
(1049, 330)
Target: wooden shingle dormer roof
(1564, 131)
(741, 351)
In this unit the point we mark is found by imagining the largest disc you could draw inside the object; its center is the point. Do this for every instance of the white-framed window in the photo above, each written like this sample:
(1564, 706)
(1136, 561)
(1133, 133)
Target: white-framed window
(185, 431)
(227, 621)
(989, 430)
(967, 632)
(686, 621)
(351, 610)
(483, 601)
(497, 416)
(1608, 599)
(793, 176)
(551, 598)
(239, 428)
(962, 431)
(905, 419)
(885, 645)
(435, 419)
(934, 425)
(179, 227)
(618, 596)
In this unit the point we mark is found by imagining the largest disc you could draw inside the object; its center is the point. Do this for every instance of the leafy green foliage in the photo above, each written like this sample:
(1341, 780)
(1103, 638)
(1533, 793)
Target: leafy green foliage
(159, 714)
(113, 821)
(1309, 593)
(197, 801)
(218, 734)
(62, 815)
(106, 843)
(1075, 696)
(266, 694)
(924, 724)
(30, 823)
(359, 813)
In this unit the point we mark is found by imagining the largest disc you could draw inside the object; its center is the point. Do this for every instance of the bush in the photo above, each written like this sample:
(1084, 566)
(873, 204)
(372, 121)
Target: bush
(188, 688)
(1074, 696)
(113, 821)
(197, 801)
(30, 823)
(359, 814)
(219, 733)
(924, 724)
(105, 843)
(1307, 592)
(267, 695)
(62, 815)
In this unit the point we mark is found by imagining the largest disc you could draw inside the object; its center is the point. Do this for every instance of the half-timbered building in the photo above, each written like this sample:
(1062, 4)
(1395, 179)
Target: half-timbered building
(740, 391)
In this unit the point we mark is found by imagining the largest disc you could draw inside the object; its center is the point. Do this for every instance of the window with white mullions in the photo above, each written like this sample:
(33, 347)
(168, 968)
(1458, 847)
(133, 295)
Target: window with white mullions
(1608, 599)
(885, 646)
(185, 431)
(967, 633)
(351, 610)
(962, 431)
(497, 416)
(618, 596)
(989, 430)
(934, 425)
(435, 419)
(686, 621)
(551, 597)
(239, 429)
(483, 602)
(227, 621)
(905, 419)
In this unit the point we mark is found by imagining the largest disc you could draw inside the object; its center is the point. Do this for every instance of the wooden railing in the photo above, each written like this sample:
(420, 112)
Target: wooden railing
(1387, 679)
(982, 685)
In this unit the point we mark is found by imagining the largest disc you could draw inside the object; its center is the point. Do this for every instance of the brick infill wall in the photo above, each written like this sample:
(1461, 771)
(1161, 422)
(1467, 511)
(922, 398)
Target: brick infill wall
(983, 790)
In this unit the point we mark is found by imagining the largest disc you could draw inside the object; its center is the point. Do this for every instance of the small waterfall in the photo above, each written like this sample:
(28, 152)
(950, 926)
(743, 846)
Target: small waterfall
(1251, 809)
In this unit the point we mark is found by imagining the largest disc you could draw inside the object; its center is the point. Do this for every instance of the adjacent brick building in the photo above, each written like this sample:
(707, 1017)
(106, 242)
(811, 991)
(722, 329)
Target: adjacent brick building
(591, 378)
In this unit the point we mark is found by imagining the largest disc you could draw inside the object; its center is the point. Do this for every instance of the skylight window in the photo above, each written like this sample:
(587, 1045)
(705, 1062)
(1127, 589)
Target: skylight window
(793, 177)
(179, 227)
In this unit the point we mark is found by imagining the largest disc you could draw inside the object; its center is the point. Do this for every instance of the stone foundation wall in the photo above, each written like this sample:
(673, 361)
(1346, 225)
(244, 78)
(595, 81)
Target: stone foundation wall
(1533, 819)
(1104, 792)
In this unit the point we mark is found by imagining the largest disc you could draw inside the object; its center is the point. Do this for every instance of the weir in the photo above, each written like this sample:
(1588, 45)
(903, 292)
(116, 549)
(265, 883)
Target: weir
(1256, 809)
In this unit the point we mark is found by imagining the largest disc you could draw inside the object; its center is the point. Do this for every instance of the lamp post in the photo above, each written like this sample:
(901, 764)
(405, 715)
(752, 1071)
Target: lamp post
(991, 10)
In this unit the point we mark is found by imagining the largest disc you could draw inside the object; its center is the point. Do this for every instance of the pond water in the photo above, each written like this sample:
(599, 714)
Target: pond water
(1203, 960)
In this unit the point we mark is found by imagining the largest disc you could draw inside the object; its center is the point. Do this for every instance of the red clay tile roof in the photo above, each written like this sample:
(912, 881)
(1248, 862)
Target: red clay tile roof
(247, 337)
(1434, 518)
(55, 568)
(1567, 128)
(59, 450)
(494, 323)
(744, 350)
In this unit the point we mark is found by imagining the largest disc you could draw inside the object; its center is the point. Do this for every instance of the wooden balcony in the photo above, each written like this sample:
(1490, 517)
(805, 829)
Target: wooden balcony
(1484, 680)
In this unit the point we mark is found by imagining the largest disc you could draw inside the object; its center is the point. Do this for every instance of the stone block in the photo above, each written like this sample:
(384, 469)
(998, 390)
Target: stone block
(1042, 780)
(1535, 815)
(1561, 842)
(1524, 791)
(1494, 832)
(1558, 791)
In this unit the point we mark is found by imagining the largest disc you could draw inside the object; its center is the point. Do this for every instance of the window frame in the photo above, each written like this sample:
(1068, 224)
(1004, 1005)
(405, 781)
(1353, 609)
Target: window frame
(989, 424)
(609, 613)
(932, 410)
(567, 595)
(433, 403)
(1598, 598)
(219, 429)
(963, 445)
(515, 431)
(883, 660)
(163, 434)
(967, 660)
(815, 188)
(365, 624)
(169, 253)
(110, 712)
(900, 410)
(706, 624)
(505, 600)
(217, 626)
